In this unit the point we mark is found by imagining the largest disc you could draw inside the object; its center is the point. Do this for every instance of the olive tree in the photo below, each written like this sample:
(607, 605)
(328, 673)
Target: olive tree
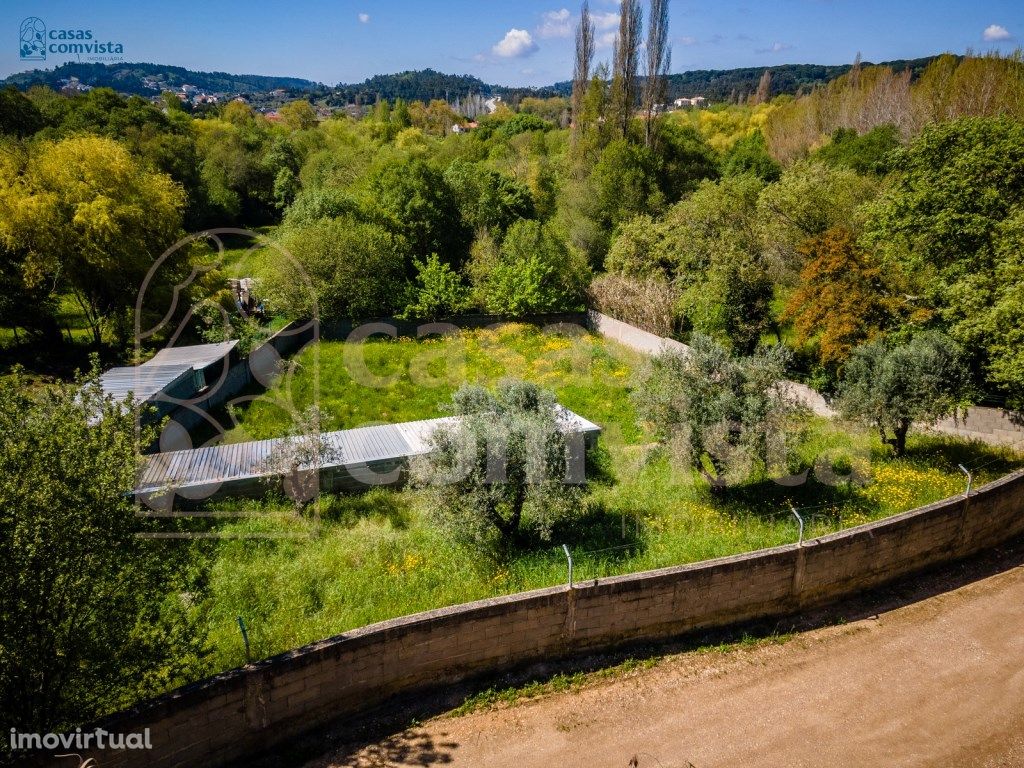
(723, 416)
(891, 387)
(506, 468)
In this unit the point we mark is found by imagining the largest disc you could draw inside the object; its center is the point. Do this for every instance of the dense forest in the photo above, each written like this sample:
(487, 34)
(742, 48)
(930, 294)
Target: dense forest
(734, 85)
(735, 222)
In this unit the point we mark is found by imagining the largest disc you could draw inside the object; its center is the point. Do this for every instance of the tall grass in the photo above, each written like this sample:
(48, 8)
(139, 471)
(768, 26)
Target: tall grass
(375, 556)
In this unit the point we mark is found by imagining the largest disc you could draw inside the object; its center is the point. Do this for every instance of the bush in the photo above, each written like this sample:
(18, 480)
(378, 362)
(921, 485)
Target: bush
(438, 292)
(534, 272)
(521, 123)
(345, 268)
(93, 616)
(646, 302)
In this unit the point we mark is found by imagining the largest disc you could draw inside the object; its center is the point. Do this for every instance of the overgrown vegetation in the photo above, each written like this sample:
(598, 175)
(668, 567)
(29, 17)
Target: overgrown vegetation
(865, 237)
(379, 554)
(94, 616)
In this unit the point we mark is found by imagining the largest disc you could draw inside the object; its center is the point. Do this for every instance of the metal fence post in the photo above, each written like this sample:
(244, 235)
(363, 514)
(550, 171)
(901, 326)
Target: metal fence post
(568, 556)
(970, 479)
(800, 541)
(245, 638)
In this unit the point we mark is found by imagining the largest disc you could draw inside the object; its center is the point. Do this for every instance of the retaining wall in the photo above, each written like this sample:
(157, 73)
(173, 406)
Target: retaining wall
(990, 425)
(247, 710)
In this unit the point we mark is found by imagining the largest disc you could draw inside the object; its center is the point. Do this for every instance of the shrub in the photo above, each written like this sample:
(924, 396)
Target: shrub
(534, 272)
(439, 291)
(646, 302)
(346, 268)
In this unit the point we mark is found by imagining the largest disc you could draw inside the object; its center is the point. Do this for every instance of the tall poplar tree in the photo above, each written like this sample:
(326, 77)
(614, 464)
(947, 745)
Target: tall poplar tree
(581, 70)
(624, 69)
(659, 61)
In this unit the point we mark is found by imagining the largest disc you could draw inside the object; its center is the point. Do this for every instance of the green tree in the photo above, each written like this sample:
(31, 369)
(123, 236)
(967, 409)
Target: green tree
(624, 68)
(684, 158)
(625, 182)
(891, 388)
(872, 153)
(18, 115)
(488, 199)
(808, 200)
(534, 272)
(438, 291)
(636, 251)
(298, 115)
(942, 220)
(352, 269)
(750, 155)
(504, 471)
(1002, 322)
(89, 217)
(724, 281)
(722, 416)
(416, 202)
(94, 618)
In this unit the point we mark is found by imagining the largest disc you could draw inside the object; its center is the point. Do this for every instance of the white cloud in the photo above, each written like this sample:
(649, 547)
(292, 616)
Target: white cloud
(994, 33)
(688, 40)
(364, 18)
(775, 48)
(607, 39)
(516, 44)
(555, 24)
(605, 20)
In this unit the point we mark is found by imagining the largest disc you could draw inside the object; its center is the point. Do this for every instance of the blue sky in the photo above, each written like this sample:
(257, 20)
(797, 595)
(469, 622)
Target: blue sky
(512, 42)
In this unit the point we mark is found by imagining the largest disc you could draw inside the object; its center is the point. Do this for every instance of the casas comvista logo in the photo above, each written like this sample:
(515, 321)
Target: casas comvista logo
(33, 39)
(36, 42)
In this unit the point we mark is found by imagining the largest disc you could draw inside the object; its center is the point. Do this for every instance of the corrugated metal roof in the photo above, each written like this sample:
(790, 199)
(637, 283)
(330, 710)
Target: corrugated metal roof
(144, 381)
(197, 355)
(353, 448)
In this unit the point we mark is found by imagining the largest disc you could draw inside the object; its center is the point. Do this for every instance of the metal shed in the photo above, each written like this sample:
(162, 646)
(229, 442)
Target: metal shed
(368, 456)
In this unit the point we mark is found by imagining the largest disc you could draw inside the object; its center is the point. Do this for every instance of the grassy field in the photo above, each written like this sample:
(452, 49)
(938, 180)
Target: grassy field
(376, 556)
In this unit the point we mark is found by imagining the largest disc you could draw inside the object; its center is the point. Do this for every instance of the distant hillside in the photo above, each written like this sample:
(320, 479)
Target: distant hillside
(131, 78)
(719, 85)
(422, 85)
(425, 85)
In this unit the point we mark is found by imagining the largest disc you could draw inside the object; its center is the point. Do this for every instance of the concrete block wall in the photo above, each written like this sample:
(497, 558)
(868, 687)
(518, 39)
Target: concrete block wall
(989, 425)
(247, 710)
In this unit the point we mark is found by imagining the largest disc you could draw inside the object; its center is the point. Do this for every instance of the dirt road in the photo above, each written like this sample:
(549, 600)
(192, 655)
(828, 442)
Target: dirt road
(939, 682)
